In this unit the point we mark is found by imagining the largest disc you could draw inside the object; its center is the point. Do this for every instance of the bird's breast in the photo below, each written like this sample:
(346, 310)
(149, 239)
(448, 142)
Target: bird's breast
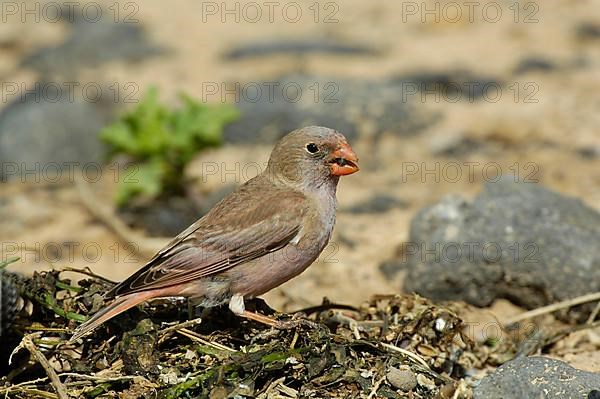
(275, 268)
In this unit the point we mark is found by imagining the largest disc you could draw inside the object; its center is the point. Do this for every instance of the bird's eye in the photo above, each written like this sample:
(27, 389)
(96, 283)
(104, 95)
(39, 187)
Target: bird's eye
(312, 148)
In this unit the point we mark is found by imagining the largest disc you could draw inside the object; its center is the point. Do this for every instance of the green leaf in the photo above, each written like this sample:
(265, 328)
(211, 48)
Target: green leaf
(4, 263)
(144, 179)
(164, 141)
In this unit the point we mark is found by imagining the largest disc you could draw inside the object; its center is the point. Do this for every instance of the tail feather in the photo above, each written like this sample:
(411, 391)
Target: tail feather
(118, 306)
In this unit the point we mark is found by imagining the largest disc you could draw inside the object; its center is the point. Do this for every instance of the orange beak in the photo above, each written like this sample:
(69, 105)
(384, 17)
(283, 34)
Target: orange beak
(343, 161)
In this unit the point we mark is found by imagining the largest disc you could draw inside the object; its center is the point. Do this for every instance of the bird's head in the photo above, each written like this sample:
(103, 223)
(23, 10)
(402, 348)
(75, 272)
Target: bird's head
(312, 156)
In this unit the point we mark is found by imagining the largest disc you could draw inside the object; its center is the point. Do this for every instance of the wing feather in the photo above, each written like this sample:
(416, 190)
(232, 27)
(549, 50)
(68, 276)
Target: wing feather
(239, 229)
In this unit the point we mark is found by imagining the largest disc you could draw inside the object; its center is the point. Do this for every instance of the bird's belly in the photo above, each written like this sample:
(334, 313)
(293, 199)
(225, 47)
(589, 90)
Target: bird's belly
(265, 273)
(269, 271)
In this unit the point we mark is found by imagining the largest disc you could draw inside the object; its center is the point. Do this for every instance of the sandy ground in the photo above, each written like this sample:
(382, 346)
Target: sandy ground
(538, 139)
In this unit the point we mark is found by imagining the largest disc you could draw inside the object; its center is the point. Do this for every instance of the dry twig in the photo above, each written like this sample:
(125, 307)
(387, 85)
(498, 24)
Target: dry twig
(28, 344)
(411, 355)
(554, 307)
(375, 388)
(197, 337)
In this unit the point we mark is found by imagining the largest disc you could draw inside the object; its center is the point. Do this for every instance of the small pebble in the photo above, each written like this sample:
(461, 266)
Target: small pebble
(102, 363)
(425, 382)
(169, 377)
(404, 380)
(189, 355)
(440, 324)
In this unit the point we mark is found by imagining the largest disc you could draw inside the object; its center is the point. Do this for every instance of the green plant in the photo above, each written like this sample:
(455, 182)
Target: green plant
(161, 142)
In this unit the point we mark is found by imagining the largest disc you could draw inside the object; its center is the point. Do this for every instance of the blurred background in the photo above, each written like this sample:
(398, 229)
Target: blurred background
(123, 122)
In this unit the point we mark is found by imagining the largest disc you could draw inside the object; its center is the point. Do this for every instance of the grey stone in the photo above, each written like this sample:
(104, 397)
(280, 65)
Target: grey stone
(170, 216)
(378, 203)
(272, 108)
(452, 86)
(588, 31)
(302, 46)
(164, 217)
(55, 124)
(95, 37)
(518, 241)
(537, 378)
(404, 380)
(535, 64)
(457, 146)
(591, 152)
(41, 138)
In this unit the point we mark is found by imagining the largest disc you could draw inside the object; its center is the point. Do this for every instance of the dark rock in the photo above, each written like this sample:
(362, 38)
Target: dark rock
(271, 109)
(458, 147)
(92, 42)
(588, 30)
(537, 377)
(403, 379)
(306, 46)
(8, 303)
(589, 152)
(166, 217)
(378, 203)
(54, 123)
(594, 394)
(534, 64)
(45, 130)
(390, 268)
(518, 241)
(163, 217)
(448, 86)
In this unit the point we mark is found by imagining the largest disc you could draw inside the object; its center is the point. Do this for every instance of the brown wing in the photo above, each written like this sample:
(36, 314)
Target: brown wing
(239, 229)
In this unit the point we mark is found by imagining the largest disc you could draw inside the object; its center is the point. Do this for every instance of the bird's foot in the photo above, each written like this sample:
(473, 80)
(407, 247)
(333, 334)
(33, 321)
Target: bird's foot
(236, 304)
